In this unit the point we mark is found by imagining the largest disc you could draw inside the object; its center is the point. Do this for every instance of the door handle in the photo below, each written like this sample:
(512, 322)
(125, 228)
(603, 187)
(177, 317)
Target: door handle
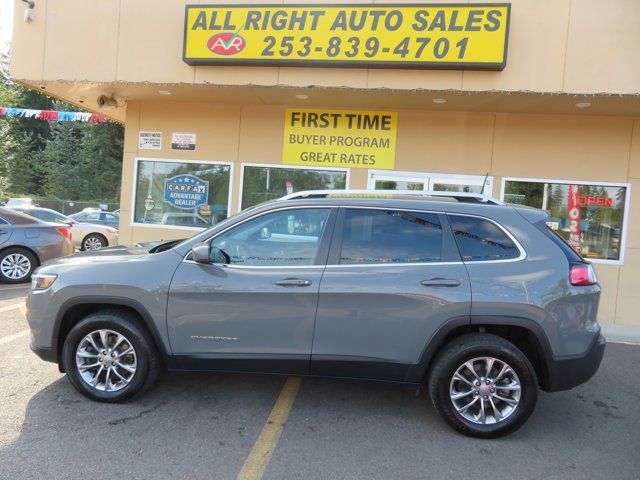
(293, 282)
(441, 282)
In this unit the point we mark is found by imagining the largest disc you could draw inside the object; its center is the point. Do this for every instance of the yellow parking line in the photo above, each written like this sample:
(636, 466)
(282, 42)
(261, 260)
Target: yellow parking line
(12, 307)
(257, 461)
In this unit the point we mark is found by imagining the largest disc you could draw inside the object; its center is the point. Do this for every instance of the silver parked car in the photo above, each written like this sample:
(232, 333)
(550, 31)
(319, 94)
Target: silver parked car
(85, 236)
(26, 243)
(478, 300)
(98, 217)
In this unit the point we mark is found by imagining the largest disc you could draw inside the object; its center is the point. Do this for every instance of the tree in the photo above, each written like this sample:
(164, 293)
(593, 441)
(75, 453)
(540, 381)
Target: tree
(76, 161)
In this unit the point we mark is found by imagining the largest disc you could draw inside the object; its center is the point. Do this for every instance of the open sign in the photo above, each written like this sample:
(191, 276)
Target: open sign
(584, 200)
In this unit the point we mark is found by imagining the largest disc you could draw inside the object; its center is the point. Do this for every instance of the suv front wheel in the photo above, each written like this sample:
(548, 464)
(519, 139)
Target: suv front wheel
(108, 357)
(483, 386)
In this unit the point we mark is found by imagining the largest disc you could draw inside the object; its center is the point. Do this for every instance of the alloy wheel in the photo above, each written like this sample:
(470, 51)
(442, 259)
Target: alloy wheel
(92, 243)
(485, 390)
(106, 360)
(15, 266)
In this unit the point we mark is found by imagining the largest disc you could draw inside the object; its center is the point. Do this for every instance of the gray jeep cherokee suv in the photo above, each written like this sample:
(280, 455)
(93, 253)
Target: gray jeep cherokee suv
(479, 300)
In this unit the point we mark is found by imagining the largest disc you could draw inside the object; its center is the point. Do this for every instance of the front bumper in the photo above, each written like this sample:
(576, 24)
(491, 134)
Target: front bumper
(48, 354)
(112, 238)
(568, 372)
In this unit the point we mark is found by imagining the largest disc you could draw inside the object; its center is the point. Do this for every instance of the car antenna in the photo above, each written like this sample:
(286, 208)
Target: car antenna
(484, 182)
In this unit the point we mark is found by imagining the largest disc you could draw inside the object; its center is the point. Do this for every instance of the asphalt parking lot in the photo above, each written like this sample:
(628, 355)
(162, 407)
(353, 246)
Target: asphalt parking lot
(205, 426)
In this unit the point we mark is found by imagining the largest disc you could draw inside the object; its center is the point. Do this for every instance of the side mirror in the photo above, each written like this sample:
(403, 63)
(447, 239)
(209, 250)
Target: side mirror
(201, 251)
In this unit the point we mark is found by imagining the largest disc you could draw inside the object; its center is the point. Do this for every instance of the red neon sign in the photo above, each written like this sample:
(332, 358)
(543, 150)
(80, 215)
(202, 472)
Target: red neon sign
(584, 200)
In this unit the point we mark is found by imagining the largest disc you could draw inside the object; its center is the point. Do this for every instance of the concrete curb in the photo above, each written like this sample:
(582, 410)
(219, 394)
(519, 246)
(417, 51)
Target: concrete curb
(621, 333)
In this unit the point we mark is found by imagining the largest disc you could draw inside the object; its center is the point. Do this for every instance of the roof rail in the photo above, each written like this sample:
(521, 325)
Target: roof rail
(460, 196)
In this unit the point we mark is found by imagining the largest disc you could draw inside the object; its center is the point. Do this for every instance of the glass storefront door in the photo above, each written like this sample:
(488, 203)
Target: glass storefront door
(390, 180)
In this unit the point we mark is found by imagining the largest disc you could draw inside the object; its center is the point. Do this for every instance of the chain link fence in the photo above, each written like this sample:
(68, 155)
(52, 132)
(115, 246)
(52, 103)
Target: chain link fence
(68, 207)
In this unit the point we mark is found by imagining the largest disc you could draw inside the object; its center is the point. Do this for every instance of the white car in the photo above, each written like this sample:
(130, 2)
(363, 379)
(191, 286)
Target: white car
(85, 236)
(19, 202)
(184, 219)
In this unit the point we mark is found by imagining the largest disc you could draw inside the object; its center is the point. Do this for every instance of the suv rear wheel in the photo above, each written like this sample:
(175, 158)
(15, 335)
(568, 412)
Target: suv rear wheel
(483, 386)
(109, 358)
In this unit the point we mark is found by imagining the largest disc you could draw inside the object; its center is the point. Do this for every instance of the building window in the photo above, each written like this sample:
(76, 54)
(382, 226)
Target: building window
(181, 194)
(589, 217)
(261, 182)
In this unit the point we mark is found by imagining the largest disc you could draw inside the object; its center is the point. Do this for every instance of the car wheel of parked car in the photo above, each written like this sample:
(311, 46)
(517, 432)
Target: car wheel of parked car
(94, 241)
(109, 357)
(17, 265)
(483, 386)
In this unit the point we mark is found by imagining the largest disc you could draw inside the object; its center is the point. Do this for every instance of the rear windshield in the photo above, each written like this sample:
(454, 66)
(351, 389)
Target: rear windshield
(569, 252)
(17, 218)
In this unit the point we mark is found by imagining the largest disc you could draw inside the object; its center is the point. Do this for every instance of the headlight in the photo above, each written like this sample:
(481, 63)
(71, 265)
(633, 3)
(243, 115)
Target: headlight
(42, 281)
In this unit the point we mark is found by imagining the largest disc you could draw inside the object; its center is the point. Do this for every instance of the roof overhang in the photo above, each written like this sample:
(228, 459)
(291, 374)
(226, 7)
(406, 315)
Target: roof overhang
(85, 95)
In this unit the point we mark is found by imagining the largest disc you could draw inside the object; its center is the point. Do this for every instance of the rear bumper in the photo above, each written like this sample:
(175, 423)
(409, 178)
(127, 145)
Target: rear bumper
(568, 372)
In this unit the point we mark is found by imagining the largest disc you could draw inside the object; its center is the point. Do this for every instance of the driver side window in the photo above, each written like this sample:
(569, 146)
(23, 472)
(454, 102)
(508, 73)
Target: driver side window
(283, 238)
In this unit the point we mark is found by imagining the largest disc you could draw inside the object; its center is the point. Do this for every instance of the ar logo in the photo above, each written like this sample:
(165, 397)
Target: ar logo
(226, 43)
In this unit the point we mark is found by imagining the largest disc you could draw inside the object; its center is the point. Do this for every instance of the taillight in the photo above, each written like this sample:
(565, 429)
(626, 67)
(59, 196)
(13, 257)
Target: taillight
(65, 232)
(582, 274)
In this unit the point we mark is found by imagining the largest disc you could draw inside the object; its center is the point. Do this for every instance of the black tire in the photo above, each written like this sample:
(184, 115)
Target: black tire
(468, 347)
(124, 323)
(95, 237)
(33, 264)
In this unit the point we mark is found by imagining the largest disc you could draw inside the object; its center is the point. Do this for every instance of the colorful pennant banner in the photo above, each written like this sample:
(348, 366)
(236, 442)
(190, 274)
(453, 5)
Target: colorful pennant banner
(52, 115)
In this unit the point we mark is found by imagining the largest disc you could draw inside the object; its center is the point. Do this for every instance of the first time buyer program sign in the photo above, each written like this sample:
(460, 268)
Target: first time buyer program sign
(460, 36)
(340, 138)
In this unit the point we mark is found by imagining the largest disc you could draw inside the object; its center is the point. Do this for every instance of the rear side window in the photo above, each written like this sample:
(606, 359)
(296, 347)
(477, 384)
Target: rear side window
(480, 239)
(390, 236)
(569, 252)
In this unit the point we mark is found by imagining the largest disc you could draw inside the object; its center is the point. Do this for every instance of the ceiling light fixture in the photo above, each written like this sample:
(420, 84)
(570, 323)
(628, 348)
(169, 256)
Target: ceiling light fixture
(583, 104)
(439, 100)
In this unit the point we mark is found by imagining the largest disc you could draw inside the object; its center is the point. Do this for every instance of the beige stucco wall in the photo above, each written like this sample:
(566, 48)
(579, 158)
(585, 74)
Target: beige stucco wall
(535, 146)
(584, 46)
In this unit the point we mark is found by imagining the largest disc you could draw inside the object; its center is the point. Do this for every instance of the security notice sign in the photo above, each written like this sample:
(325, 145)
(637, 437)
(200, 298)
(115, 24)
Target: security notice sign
(460, 36)
(340, 138)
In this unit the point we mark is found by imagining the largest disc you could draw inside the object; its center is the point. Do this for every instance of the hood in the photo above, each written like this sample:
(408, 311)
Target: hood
(119, 253)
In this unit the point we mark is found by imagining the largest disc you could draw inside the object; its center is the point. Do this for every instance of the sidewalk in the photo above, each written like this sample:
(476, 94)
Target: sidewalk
(621, 333)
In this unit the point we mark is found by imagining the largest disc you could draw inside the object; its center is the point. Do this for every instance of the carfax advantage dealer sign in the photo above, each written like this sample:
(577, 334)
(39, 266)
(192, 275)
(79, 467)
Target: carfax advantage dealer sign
(455, 36)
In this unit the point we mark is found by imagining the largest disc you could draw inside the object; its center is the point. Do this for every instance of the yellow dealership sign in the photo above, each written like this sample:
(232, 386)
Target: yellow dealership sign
(458, 36)
(340, 138)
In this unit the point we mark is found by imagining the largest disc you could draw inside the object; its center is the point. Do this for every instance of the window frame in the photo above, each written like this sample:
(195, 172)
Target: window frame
(428, 178)
(289, 167)
(137, 160)
(323, 247)
(625, 217)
